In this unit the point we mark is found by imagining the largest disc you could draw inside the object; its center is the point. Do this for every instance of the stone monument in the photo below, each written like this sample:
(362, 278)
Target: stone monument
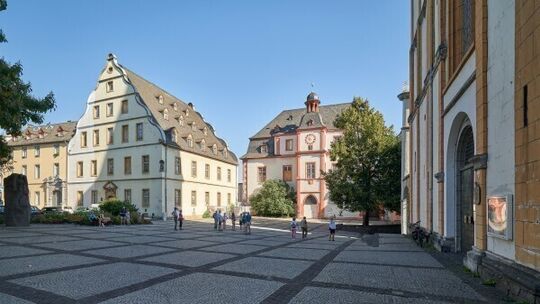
(17, 209)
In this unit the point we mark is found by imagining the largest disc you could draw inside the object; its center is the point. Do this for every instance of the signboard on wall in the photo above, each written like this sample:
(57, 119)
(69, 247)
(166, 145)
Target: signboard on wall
(500, 217)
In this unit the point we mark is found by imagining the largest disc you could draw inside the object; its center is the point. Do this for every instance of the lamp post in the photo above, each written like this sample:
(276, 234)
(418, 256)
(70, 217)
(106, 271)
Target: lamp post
(164, 178)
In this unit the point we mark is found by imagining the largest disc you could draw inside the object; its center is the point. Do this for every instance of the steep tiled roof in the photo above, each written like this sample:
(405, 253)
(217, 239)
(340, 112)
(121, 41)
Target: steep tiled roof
(151, 95)
(49, 133)
(289, 121)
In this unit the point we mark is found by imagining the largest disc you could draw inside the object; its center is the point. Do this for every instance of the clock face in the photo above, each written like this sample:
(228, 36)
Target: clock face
(310, 139)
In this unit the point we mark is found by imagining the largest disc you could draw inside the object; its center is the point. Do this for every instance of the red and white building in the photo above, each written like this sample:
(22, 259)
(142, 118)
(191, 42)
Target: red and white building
(294, 147)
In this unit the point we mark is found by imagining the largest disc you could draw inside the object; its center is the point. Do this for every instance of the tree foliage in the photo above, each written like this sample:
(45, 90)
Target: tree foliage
(114, 206)
(367, 173)
(274, 198)
(18, 105)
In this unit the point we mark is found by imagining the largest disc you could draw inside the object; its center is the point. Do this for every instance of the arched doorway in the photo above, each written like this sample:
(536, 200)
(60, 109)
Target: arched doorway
(311, 209)
(465, 190)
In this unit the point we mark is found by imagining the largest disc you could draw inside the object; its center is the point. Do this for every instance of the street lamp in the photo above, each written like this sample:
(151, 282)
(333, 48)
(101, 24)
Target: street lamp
(162, 170)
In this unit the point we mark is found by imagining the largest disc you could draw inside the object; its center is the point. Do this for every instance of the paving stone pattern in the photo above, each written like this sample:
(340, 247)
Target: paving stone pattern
(155, 264)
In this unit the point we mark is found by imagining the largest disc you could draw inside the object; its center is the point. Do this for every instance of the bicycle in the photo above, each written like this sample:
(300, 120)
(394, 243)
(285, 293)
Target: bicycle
(419, 234)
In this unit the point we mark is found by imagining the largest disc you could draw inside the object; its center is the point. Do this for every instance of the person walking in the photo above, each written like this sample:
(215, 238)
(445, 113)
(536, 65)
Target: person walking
(225, 220)
(180, 218)
(175, 215)
(332, 228)
(241, 220)
(247, 223)
(215, 216)
(128, 217)
(303, 225)
(293, 227)
(220, 220)
(123, 212)
(233, 220)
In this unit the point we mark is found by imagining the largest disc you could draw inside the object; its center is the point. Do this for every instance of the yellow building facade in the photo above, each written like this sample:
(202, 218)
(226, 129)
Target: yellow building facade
(40, 153)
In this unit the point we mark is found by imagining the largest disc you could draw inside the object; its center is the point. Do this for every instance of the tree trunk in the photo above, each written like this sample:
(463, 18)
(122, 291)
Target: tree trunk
(366, 219)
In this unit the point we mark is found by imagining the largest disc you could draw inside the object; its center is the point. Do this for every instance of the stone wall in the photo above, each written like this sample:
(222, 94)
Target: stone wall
(527, 123)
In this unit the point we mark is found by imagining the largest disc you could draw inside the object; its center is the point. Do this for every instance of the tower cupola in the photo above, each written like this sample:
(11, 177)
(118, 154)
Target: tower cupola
(312, 102)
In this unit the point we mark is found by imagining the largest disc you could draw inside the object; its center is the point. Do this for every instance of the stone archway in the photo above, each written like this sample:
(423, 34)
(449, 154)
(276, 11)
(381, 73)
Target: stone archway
(464, 177)
(311, 209)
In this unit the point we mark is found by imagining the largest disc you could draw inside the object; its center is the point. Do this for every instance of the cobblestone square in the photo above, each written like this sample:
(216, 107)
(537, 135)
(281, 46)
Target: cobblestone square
(155, 264)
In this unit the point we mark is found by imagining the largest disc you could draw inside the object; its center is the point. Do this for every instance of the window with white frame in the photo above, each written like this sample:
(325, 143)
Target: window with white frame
(145, 163)
(261, 174)
(310, 170)
(110, 86)
(110, 166)
(94, 197)
(139, 131)
(24, 152)
(127, 195)
(96, 112)
(110, 109)
(124, 108)
(177, 166)
(110, 136)
(145, 198)
(193, 168)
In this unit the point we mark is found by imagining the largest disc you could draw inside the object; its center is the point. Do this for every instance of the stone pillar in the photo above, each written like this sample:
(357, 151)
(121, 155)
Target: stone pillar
(481, 120)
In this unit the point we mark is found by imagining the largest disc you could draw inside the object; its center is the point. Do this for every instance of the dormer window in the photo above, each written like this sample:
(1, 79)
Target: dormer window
(175, 106)
(310, 122)
(264, 149)
(203, 145)
(205, 131)
(181, 120)
(214, 149)
(166, 114)
(60, 131)
(160, 99)
(225, 153)
(190, 141)
(187, 112)
(41, 133)
(174, 136)
(193, 126)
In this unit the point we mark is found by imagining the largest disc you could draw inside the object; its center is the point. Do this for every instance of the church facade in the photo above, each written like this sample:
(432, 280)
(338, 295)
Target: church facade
(470, 161)
(294, 147)
(138, 143)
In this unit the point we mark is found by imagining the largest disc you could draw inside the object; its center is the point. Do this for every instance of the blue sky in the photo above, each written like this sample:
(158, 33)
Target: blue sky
(239, 62)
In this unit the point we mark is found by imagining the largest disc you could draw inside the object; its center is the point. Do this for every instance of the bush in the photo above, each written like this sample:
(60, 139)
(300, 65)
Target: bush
(206, 214)
(273, 199)
(115, 206)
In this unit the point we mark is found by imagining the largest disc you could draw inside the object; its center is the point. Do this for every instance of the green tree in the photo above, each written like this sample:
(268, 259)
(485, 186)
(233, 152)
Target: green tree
(367, 173)
(273, 199)
(19, 106)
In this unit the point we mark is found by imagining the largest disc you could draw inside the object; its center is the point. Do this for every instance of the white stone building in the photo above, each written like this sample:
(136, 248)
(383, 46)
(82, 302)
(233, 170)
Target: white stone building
(138, 143)
(294, 147)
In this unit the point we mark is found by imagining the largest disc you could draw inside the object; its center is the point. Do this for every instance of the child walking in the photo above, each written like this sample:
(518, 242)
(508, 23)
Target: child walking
(293, 228)
(332, 228)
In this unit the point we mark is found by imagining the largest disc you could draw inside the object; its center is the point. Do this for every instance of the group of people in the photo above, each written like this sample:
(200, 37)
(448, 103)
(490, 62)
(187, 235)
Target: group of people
(178, 218)
(304, 226)
(220, 221)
